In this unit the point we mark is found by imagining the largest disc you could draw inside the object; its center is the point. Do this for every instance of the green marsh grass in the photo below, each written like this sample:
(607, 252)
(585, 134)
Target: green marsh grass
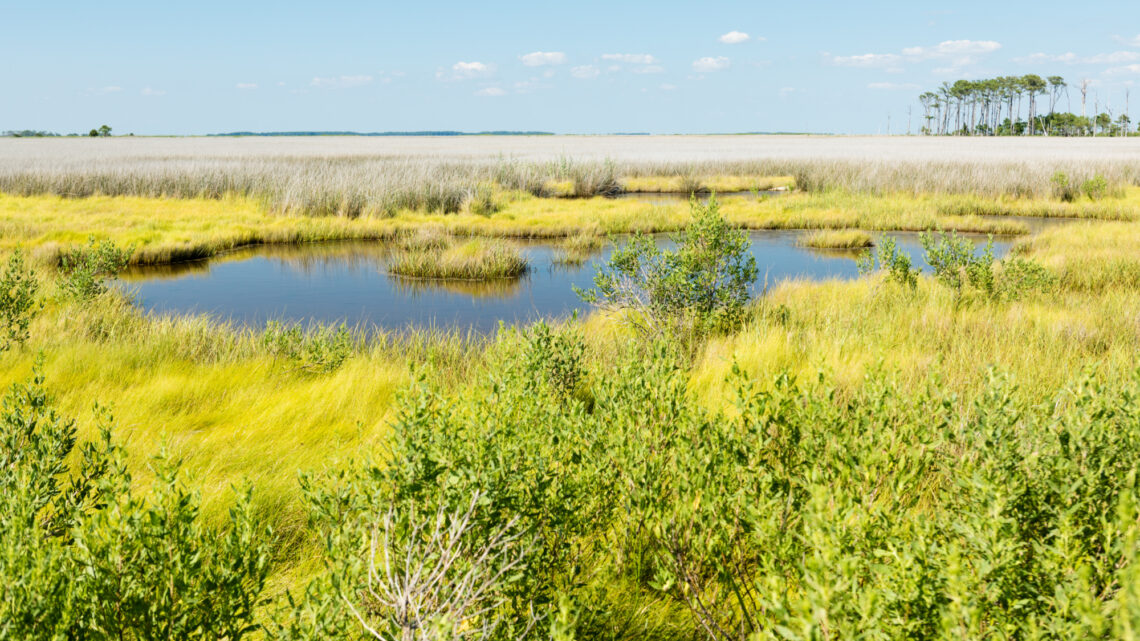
(474, 259)
(846, 239)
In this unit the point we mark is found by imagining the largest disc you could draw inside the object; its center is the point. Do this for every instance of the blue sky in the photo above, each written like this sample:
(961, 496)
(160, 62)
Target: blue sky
(566, 67)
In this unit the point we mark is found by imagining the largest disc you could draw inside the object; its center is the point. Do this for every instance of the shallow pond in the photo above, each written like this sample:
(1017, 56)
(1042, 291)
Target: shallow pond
(348, 282)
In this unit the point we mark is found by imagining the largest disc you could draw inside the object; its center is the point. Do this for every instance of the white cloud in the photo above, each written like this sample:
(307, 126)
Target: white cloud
(631, 58)
(585, 72)
(1131, 42)
(953, 48)
(540, 58)
(893, 85)
(1114, 58)
(709, 63)
(734, 37)
(867, 60)
(1123, 70)
(465, 70)
(648, 69)
(147, 91)
(250, 85)
(105, 90)
(668, 87)
(341, 82)
(491, 91)
(953, 53)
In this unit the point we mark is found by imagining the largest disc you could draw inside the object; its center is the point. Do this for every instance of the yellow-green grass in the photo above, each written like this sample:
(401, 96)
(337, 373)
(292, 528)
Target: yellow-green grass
(841, 239)
(213, 397)
(166, 230)
(717, 183)
(475, 259)
(577, 249)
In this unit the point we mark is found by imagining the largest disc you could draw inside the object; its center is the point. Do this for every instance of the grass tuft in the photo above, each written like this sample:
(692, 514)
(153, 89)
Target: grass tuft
(839, 239)
(475, 259)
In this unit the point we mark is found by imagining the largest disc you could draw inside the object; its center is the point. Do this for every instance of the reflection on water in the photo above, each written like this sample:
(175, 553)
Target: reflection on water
(491, 288)
(348, 282)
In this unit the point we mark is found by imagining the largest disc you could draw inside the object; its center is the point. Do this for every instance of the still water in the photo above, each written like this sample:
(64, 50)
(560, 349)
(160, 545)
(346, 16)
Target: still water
(348, 282)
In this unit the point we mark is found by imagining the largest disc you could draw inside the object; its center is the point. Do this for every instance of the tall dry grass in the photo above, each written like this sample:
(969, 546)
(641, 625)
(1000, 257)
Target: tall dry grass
(352, 177)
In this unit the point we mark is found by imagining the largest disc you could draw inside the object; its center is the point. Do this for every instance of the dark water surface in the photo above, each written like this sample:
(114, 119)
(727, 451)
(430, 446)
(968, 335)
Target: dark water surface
(348, 282)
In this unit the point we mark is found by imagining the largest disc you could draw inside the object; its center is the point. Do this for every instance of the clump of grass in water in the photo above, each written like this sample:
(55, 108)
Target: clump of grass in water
(577, 249)
(424, 239)
(472, 259)
(838, 239)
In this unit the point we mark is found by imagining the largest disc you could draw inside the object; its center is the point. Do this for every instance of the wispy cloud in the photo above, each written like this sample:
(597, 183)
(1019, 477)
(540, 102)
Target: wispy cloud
(668, 87)
(867, 60)
(952, 53)
(464, 70)
(710, 63)
(585, 72)
(1131, 42)
(341, 82)
(251, 85)
(648, 69)
(491, 91)
(1070, 58)
(540, 58)
(891, 86)
(147, 91)
(1123, 70)
(734, 37)
(630, 58)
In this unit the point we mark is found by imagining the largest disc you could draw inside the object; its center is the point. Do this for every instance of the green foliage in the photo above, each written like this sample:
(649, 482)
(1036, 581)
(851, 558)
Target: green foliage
(1095, 188)
(888, 257)
(1062, 188)
(557, 358)
(802, 513)
(85, 270)
(319, 350)
(18, 304)
(954, 263)
(701, 286)
(82, 556)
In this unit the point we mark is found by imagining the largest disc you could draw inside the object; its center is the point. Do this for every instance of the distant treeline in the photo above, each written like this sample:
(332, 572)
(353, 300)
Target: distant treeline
(31, 133)
(386, 133)
(995, 107)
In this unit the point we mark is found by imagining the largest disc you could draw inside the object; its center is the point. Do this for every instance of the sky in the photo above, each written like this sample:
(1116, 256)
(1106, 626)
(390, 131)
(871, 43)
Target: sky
(577, 67)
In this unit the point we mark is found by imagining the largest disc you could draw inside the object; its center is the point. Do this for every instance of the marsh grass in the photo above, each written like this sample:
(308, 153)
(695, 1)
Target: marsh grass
(474, 259)
(577, 249)
(845, 239)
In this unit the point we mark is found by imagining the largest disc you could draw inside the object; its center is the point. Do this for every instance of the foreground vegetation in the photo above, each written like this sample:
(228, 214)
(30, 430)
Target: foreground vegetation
(951, 455)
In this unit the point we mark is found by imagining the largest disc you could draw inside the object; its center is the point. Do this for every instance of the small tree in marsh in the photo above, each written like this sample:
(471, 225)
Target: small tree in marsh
(18, 305)
(701, 286)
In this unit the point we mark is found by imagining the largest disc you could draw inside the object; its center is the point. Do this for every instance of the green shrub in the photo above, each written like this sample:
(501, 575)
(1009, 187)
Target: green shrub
(18, 304)
(1063, 189)
(83, 556)
(701, 286)
(85, 270)
(1095, 188)
(954, 263)
(322, 349)
(1021, 276)
(888, 257)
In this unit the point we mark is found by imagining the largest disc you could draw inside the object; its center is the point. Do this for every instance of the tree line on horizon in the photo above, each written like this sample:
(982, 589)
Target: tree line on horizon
(995, 107)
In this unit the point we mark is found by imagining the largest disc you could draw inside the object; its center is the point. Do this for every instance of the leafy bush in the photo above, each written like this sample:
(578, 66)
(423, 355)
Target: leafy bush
(322, 349)
(84, 270)
(18, 305)
(82, 556)
(1095, 188)
(1020, 276)
(888, 257)
(701, 286)
(805, 512)
(1063, 189)
(557, 358)
(954, 263)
